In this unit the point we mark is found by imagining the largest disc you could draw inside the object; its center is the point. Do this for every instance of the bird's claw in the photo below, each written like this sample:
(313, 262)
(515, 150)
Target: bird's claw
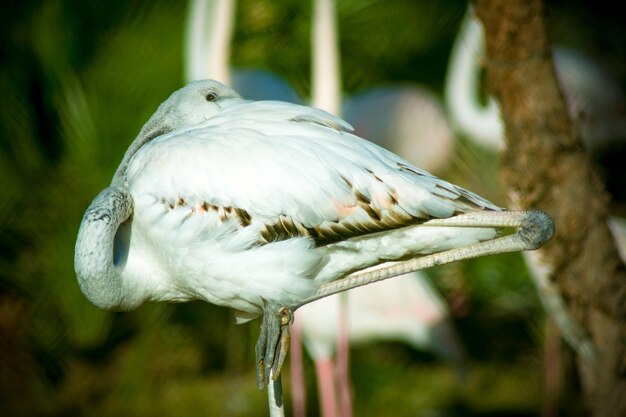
(273, 343)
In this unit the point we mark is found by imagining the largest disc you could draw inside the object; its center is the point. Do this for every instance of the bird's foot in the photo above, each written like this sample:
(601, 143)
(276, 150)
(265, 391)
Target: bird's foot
(273, 343)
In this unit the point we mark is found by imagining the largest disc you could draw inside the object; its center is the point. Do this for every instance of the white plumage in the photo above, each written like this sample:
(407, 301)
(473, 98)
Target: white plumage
(233, 209)
(258, 206)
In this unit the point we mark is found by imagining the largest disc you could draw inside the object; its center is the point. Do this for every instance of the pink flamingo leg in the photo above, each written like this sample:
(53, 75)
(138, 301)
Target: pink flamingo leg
(324, 369)
(343, 357)
(298, 387)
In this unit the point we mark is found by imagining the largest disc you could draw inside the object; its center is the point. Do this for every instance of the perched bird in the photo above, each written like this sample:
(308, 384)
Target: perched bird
(263, 206)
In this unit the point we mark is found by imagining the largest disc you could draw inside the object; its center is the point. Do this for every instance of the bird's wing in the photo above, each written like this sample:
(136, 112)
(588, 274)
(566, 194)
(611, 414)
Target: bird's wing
(296, 170)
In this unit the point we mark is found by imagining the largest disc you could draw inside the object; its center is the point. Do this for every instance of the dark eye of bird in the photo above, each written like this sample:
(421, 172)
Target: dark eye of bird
(210, 97)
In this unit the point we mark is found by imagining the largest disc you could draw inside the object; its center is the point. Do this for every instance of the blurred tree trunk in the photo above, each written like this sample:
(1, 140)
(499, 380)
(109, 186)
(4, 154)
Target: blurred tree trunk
(545, 167)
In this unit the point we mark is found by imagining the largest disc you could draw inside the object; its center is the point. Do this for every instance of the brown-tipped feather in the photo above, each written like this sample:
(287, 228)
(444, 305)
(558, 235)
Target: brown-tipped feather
(342, 228)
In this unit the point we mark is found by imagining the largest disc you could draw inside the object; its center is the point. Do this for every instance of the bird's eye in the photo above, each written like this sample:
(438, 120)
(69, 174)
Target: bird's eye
(210, 97)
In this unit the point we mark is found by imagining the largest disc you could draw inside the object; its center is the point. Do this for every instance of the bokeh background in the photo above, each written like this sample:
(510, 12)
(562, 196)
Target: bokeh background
(77, 81)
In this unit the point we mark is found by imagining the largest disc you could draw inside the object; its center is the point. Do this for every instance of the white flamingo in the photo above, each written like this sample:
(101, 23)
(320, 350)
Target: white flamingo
(266, 206)
(595, 101)
(262, 206)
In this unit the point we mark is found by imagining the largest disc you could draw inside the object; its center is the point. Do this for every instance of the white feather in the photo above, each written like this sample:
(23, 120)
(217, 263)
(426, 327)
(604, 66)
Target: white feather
(274, 161)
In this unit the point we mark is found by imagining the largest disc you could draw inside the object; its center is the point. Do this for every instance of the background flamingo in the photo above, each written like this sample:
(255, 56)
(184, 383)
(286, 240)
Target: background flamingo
(595, 100)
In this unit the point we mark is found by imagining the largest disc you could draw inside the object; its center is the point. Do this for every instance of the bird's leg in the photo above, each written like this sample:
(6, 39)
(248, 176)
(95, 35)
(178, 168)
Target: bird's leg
(275, 396)
(273, 343)
(534, 228)
(298, 388)
(342, 364)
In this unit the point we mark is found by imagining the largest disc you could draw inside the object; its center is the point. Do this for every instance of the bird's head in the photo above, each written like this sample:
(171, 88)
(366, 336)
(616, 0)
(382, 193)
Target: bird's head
(194, 103)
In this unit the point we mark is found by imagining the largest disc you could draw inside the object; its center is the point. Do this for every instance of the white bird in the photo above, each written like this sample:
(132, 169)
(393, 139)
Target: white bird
(595, 101)
(263, 207)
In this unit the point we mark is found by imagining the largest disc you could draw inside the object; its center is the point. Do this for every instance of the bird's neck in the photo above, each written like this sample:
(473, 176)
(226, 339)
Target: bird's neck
(95, 255)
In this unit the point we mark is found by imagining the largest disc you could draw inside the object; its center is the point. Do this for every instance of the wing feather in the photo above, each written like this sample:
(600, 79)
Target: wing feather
(293, 170)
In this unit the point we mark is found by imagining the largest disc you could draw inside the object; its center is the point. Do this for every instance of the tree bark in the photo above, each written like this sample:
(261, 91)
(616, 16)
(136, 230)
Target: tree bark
(545, 167)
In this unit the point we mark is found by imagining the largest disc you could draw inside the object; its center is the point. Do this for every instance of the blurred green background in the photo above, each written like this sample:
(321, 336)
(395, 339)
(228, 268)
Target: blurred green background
(77, 81)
